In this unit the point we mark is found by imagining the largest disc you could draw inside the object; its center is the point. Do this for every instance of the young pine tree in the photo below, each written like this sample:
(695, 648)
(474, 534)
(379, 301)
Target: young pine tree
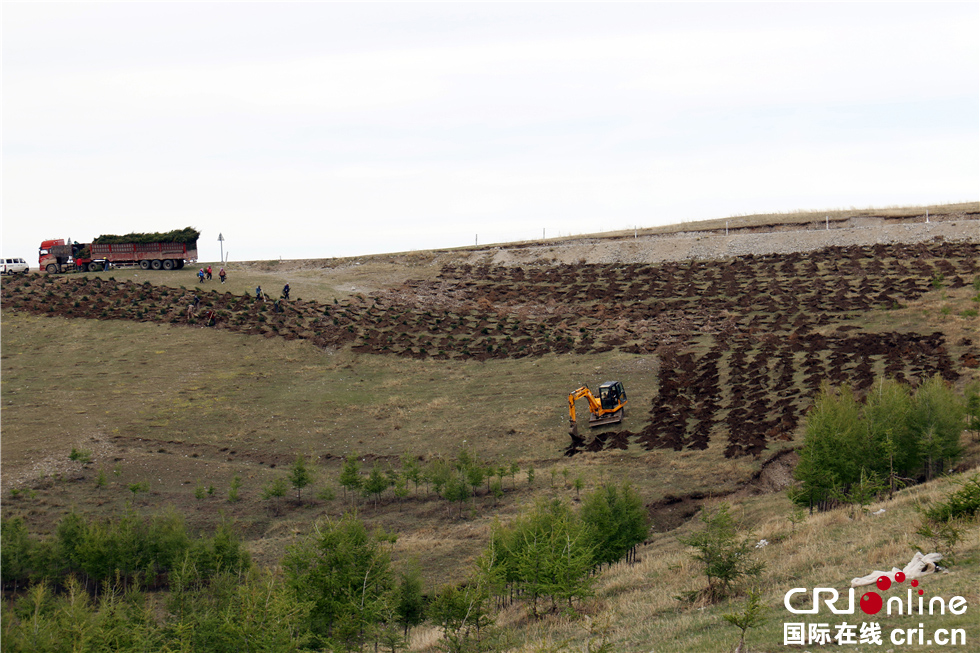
(300, 477)
(350, 475)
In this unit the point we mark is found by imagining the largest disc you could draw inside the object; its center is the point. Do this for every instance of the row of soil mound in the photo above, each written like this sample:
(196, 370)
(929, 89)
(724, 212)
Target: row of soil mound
(771, 329)
(752, 393)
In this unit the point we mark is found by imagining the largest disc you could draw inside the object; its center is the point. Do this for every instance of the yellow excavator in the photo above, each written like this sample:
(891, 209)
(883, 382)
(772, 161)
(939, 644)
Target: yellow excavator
(608, 408)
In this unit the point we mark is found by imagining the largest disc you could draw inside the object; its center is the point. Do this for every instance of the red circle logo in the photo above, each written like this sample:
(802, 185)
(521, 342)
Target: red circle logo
(871, 603)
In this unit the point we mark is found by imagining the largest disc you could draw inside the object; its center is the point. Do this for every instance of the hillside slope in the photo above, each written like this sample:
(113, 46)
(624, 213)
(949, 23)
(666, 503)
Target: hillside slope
(721, 341)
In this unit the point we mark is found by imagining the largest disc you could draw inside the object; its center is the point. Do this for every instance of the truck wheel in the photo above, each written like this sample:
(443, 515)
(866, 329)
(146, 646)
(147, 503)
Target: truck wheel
(179, 264)
(51, 269)
(168, 264)
(144, 265)
(95, 267)
(156, 264)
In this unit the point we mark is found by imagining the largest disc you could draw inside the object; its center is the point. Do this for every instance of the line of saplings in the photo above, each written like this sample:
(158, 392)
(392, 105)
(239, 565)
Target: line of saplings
(856, 449)
(186, 235)
(454, 480)
(335, 590)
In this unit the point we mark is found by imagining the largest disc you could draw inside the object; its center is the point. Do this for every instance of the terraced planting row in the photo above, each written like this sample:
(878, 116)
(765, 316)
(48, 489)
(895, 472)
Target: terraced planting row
(766, 388)
(765, 326)
(834, 280)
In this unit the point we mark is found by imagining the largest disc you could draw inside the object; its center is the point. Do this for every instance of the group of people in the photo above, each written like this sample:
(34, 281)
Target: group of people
(260, 295)
(204, 274)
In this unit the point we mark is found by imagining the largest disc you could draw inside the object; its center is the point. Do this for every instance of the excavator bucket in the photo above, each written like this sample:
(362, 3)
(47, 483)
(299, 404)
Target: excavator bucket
(573, 431)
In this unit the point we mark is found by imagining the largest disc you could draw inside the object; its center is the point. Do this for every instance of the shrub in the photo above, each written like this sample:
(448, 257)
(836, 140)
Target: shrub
(937, 419)
(15, 554)
(376, 483)
(547, 553)
(350, 476)
(80, 455)
(724, 552)
(300, 477)
(456, 489)
(187, 235)
(462, 612)
(276, 489)
(752, 616)
(344, 573)
(127, 548)
(224, 549)
(961, 504)
(895, 435)
(234, 487)
(617, 521)
(410, 602)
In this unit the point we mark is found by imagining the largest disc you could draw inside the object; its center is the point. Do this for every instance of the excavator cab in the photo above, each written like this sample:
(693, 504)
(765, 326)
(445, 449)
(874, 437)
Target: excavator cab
(612, 394)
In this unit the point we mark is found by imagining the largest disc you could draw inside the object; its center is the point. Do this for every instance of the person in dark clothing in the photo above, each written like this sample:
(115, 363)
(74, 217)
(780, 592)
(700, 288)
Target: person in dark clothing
(285, 291)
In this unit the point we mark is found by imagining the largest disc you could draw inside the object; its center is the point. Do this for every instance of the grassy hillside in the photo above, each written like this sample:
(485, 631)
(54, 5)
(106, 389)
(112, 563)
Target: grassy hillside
(720, 360)
(637, 604)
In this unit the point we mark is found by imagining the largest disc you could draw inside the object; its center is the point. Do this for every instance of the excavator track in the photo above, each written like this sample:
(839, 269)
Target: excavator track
(614, 418)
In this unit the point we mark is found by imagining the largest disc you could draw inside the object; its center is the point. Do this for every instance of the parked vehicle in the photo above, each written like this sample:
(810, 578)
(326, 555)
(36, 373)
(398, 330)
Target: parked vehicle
(170, 251)
(14, 266)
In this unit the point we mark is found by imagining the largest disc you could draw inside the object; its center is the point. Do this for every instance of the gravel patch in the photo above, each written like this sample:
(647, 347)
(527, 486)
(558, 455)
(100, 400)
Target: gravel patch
(701, 246)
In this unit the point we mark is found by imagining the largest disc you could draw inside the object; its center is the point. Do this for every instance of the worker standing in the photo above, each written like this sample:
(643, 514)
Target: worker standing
(285, 291)
(222, 275)
(258, 292)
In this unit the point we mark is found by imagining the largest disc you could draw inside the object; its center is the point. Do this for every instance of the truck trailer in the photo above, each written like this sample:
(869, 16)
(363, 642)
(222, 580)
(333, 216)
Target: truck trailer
(162, 253)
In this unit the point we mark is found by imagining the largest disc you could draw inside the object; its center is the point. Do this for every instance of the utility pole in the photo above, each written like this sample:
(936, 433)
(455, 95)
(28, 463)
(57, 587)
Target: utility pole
(221, 240)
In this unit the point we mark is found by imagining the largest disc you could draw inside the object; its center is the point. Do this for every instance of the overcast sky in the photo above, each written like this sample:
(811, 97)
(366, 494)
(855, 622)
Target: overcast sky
(313, 130)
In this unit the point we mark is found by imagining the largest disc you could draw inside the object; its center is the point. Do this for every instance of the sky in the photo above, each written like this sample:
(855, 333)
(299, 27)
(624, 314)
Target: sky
(316, 130)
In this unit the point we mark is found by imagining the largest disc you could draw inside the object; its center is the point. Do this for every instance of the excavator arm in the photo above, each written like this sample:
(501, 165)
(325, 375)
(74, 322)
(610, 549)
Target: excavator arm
(594, 405)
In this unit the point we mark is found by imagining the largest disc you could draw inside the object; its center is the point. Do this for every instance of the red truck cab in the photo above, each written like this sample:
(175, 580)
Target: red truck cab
(57, 256)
